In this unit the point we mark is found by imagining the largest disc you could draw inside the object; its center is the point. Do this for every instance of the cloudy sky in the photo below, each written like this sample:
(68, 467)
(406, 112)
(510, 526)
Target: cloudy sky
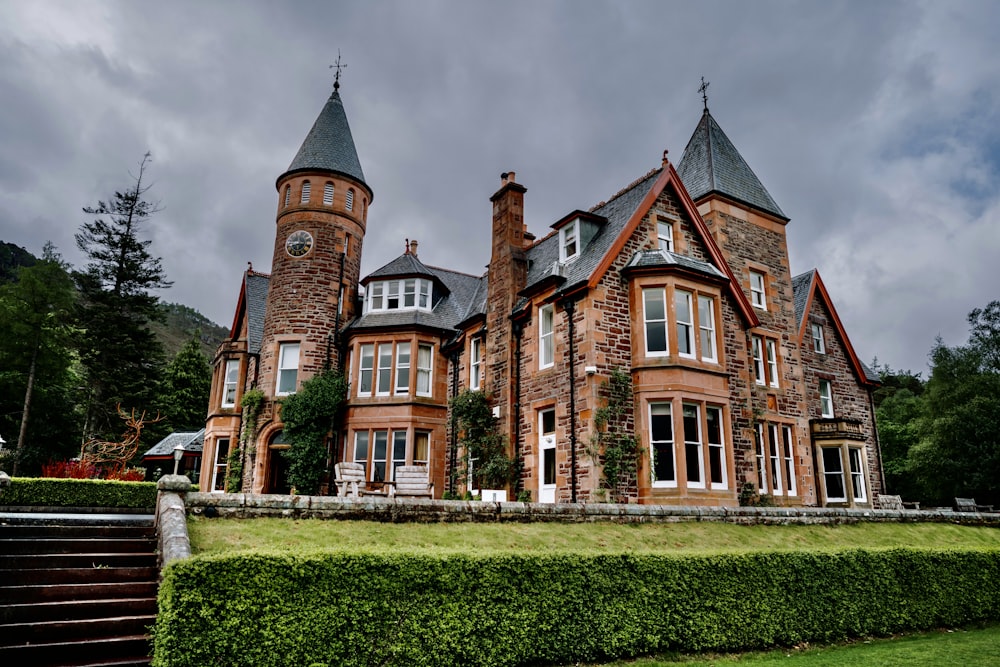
(875, 126)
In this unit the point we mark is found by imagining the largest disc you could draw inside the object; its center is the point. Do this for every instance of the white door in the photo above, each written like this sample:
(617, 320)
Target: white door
(547, 456)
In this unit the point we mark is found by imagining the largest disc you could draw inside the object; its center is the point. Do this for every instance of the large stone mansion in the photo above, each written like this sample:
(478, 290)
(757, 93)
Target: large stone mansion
(742, 375)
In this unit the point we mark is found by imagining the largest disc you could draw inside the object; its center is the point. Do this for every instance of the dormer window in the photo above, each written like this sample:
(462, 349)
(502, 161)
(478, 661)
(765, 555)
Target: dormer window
(405, 294)
(569, 241)
(328, 194)
(349, 202)
(306, 190)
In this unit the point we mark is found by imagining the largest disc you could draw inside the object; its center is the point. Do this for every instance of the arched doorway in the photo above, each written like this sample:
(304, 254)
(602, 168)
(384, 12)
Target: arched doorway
(277, 465)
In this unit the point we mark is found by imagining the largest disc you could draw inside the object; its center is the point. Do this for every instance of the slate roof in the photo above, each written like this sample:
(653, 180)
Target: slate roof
(256, 294)
(664, 258)
(448, 311)
(329, 145)
(192, 442)
(544, 255)
(711, 163)
(800, 288)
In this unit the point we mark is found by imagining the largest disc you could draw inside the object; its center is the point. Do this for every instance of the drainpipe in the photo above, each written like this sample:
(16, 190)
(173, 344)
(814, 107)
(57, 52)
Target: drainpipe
(518, 330)
(570, 308)
(453, 445)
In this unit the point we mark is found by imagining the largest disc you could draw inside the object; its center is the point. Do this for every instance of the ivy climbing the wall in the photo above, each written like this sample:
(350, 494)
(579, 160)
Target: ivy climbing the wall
(479, 435)
(252, 402)
(613, 443)
(308, 416)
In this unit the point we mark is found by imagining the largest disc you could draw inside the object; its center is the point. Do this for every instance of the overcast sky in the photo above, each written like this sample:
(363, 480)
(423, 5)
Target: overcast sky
(874, 125)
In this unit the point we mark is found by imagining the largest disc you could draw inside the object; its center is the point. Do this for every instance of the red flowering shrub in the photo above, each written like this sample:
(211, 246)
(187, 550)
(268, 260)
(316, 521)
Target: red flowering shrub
(69, 470)
(129, 475)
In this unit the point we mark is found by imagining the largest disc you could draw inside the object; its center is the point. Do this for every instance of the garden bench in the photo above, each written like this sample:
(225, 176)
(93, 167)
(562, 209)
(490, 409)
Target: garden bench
(412, 482)
(887, 502)
(970, 505)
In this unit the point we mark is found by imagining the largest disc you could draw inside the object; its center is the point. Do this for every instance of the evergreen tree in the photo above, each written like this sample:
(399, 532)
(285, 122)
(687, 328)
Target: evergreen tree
(122, 359)
(36, 358)
(186, 383)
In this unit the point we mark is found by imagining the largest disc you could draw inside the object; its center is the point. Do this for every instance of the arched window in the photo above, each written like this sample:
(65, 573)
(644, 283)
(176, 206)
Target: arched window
(288, 194)
(350, 200)
(328, 194)
(305, 192)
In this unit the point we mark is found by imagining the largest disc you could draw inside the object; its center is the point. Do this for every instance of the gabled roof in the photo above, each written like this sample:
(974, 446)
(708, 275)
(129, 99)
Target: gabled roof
(252, 304)
(711, 164)
(192, 441)
(808, 286)
(329, 145)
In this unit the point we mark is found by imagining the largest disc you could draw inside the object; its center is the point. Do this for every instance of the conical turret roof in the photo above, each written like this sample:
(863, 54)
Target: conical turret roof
(329, 145)
(711, 163)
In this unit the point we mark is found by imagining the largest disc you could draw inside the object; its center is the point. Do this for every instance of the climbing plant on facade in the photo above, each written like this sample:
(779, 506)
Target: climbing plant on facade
(613, 443)
(252, 402)
(479, 436)
(308, 416)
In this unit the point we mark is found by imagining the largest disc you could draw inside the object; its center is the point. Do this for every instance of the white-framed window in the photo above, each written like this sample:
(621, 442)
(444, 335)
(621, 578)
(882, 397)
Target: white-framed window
(288, 369)
(425, 361)
(819, 345)
(407, 294)
(230, 383)
(349, 201)
(383, 379)
(826, 398)
(760, 448)
(421, 448)
(654, 315)
(569, 241)
(661, 445)
(758, 297)
(398, 452)
(758, 360)
(772, 362)
(716, 448)
(288, 195)
(857, 473)
(361, 449)
(306, 191)
(328, 194)
(706, 328)
(402, 368)
(693, 456)
(380, 447)
(833, 474)
(475, 363)
(774, 459)
(788, 450)
(665, 235)
(221, 465)
(366, 370)
(684, 313)
(546, 336)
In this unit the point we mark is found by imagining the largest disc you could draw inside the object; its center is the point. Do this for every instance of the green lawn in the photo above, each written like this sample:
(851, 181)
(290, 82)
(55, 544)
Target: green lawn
(958, 648)
(221, 535)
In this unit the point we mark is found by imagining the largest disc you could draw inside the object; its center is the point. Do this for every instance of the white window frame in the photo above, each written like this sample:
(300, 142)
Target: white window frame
(706, 328)
(349, 199)
(856, 457)
(425, 369)
(668, 445)
(685, 328)
(475, 363)
(366, 369)
(774, 467)
(379, 437)
(383, 369)
(546, 336)
(328, 194)
(826, 399)
(306, 192)
(399, 439)
(381, 295)
(761, 454)
(758, 292)
(220, 466)
(819, 344)
(772, 362)
(659, 294)
(403, 362)
(361, 438)
(569, 238)
(286, 366)
(827, 474)
(757, 348)
(417, 437)
(716, 443)
(665, 235)
(230, 383)
(424, 297)
(693, 446)
(788, 452)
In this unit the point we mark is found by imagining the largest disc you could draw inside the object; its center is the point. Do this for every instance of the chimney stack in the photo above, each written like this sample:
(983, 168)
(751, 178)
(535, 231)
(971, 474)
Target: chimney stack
(413, 247)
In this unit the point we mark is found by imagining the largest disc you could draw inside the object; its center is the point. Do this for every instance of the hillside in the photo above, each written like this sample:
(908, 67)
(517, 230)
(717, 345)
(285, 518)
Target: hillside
(11, 258)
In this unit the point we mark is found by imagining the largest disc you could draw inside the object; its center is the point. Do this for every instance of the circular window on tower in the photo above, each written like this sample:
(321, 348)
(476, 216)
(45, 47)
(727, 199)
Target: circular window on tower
(299, 243)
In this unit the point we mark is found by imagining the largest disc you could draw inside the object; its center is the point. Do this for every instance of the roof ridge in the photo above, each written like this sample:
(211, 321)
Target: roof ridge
(624, 190)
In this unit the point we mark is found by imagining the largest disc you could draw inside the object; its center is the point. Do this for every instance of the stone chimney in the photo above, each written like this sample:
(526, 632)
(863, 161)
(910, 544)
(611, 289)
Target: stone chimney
(413, 247)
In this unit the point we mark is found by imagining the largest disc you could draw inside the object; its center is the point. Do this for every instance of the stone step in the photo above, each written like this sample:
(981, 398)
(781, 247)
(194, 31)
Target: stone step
(95, 559)
(35, 632)
(58, 592)
(77, 575)
(70, 545)
(66, 610)
(130, 649)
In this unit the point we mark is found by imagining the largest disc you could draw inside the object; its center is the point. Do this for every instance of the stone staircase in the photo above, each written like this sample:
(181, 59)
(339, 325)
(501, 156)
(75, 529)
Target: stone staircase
(76, 590)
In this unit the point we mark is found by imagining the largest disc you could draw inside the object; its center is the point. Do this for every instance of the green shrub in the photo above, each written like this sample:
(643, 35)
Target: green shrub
(410, 609)
(47, 492)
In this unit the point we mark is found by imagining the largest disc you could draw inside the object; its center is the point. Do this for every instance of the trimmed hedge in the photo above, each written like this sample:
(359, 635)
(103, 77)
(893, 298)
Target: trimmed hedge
(406, 609)
(51, 492)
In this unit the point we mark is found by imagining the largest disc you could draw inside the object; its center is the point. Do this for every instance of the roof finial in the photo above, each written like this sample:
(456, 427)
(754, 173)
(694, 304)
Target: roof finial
(339, 67)
(703, 89)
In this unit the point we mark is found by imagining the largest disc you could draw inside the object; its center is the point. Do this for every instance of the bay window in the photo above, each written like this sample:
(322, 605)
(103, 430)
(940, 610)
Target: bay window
(405, 294)
(706, 328)
(402, 368)
(654, 308)
(382, 451)
(684, 314)
(230, 382)
(661, 438)
(383, 378)
(366, 369)
(716, 448)
(694, 464)
(857, 474)
(833, 475)
(425, 360)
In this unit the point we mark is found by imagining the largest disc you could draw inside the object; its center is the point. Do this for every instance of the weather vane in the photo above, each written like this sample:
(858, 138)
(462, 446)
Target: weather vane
(703, 89)
(339, 67)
